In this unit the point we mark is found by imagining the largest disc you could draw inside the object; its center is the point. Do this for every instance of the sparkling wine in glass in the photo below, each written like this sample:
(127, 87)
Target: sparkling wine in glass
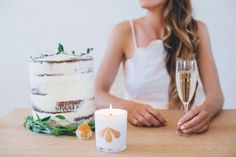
(186, 79)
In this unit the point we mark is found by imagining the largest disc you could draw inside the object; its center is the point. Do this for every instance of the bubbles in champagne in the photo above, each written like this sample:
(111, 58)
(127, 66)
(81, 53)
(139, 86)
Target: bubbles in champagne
(186, 84)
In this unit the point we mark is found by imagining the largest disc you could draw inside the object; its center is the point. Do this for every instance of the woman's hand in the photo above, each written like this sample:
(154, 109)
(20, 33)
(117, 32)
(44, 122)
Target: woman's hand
(144, 115)
(197, 120)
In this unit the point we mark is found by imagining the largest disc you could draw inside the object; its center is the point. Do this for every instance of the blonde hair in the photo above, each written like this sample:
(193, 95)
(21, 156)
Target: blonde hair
(180, 41)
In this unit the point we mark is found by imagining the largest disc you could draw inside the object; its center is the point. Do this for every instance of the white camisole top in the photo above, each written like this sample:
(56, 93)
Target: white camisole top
(146, 78)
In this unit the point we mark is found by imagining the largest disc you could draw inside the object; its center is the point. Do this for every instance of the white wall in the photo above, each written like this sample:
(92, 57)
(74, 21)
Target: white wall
(28, 27)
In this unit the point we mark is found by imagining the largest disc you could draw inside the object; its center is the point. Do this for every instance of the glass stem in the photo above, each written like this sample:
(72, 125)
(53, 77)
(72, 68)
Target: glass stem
(185, 108)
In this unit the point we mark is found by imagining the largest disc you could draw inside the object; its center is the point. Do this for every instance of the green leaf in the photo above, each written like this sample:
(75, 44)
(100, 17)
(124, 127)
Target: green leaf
(92, 124)
(60, 48)
(72, 127)
(45, 119)
(38, 118)
(28, 122)
(38, 128)
(89, 50)
(60, 117)
(44, 55)
(55, 131)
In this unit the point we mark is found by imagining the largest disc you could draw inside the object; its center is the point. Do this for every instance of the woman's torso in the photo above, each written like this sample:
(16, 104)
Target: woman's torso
(146, 78)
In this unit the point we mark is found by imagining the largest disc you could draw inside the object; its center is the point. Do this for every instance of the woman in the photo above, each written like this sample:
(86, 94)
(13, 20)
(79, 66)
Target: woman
(148, 48)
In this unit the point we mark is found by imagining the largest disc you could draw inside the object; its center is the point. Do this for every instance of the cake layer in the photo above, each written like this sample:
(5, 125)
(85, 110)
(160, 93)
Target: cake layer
(66, 87)
(66, 106)
(58, 69)
(72, 117)
(47, 91)
(61, 57)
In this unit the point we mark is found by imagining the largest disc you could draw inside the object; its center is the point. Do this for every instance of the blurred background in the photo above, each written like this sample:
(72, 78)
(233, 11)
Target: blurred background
(29, 27)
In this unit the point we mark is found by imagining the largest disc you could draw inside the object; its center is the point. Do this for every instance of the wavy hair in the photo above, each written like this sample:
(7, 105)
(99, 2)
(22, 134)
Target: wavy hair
(180, 41)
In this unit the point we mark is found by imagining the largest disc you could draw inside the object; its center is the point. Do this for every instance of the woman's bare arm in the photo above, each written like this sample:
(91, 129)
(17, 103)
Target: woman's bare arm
(138, 114)
(198, 118)
(107, 72)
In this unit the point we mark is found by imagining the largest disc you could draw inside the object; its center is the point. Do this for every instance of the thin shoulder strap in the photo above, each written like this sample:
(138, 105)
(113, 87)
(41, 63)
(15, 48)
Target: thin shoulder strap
(133, 33)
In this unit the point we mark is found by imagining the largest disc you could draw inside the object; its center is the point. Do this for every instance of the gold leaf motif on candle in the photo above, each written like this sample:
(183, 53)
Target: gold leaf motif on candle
(108, 133)
(102, 132)
(108, 136)
(115, 133)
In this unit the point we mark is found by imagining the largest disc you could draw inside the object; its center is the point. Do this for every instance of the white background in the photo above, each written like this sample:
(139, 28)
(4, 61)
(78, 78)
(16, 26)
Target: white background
(28, 27)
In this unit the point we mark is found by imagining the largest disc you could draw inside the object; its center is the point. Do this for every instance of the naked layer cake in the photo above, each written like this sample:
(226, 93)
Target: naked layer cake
(62, 84)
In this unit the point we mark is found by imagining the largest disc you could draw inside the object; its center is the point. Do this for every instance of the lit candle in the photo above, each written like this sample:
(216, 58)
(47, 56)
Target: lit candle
(111, 129)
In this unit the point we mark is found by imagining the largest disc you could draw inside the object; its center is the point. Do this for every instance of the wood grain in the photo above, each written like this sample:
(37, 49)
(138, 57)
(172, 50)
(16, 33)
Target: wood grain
(219, 141)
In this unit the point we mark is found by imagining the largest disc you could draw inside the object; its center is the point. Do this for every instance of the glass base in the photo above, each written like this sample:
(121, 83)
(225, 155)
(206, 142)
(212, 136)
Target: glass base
(111, 150)
(180, 133)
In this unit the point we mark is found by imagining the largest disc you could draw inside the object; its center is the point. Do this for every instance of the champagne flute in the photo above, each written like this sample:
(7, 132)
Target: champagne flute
(186, 80)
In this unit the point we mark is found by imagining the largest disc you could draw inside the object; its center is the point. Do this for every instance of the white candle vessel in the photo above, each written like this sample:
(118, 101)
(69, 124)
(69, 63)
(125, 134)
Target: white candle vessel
(111, 129)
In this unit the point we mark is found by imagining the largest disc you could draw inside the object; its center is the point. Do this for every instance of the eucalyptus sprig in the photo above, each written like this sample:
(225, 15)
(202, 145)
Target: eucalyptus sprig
(51, 126)
(60, 50)
(89, 50)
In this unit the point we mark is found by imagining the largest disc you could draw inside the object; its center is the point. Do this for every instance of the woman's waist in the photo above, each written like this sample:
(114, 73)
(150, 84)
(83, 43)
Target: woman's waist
(158, 99)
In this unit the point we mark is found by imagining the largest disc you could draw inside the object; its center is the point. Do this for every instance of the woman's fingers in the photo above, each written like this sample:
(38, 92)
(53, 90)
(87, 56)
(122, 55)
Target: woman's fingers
(135, 122)
(151, 119)
(197, 127)
(156, 115)
(194, 121)
(203, 129)
(145, 115)
(143, 120)
(189, 115)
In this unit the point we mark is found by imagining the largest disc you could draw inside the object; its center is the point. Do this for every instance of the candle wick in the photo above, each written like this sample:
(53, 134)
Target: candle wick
(110, 109)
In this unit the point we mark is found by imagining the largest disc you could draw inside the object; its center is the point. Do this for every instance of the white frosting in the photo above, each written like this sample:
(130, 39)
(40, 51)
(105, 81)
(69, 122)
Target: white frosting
(70, 80)
(42, 65)
(60, 57)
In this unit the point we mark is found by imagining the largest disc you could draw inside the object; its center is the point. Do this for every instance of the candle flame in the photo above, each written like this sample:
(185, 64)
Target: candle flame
(110, 109)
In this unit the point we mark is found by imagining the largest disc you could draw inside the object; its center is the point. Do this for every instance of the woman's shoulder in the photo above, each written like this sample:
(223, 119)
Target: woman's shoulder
(122, 27)
(122, 34)
(200, 23)
(125, 26)
(202, 28)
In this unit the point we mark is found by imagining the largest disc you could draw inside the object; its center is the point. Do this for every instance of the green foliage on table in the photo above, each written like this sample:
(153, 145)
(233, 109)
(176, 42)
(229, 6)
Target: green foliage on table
(48, 125)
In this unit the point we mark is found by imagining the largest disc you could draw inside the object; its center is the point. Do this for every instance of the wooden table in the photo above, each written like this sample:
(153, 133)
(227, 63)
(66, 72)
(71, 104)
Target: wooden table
(219, 141)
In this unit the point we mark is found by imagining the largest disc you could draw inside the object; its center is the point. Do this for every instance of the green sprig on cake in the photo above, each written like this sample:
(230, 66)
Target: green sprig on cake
(60, 50)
